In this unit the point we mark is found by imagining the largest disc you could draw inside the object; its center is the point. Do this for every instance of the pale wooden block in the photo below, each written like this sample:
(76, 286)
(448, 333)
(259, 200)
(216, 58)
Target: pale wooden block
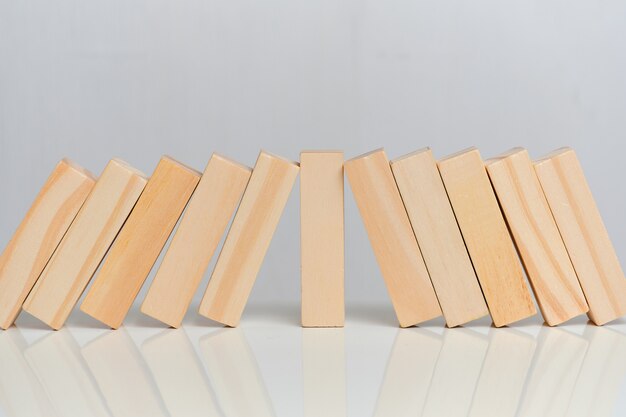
(248, 239)
(486, 237)
(140, 242)
(392, 238)
(536, 236)
(439, 237)
(36, 238)
(322, 239)
(586, 239)
(194, 242)
(84, 245)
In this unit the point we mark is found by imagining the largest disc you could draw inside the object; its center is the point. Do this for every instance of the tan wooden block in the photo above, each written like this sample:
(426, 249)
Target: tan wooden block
(582, 230)
(439, 237)
(194, 243)
(140, 242)
(322, 239)
(36, 238)
(392, 238)
(248, 239)
(536, 236)
(84, 245)
(486, 237)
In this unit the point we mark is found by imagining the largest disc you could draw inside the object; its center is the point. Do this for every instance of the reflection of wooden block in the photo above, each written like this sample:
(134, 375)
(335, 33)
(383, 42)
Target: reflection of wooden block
(586, 239)
(84, 245)
(195, 240)
(38, 235)
(392, 238)
(487, 239)
(321, 223)
(139, 242)
(248, 239)
(537, 238)
(439, 238)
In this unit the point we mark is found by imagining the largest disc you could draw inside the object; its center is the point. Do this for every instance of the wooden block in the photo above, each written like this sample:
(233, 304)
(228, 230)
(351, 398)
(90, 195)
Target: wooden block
(439, 237)
(582, 230)
(321, 238)
(536, 236)
(38, 235)
(392, 238)
(194, 243)
(486, 237)
(84, 245)
(248, 239)
(140, 241)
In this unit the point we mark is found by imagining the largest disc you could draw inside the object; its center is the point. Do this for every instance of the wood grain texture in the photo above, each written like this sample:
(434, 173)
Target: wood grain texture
(536, 236)
(439, 238)
(392, 238)
(38, 235)
(582, 230)
(194, 243)
(84, 245)
(322, 239)
(486, 237)
(248, 239)
(140, 242)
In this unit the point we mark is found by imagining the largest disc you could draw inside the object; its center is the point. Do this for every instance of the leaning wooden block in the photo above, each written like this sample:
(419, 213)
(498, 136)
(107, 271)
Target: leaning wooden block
(486, 237)
(321, 238)
(439, 237)
(195, 240)
(248, 239)
(140, 241)
(536, 236)
(392, 238)
(84, 245)
(586, 239)
(38, 235)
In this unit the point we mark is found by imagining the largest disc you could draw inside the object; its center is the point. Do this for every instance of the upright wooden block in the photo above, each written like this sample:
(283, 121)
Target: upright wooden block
(38, 235)
(439, 237)
(248, 239)
(392, 238)
(586, 239)
(200, 230)
(536, 236)
(84, 245)
(486, 237)
(140, 241)
(321, 238)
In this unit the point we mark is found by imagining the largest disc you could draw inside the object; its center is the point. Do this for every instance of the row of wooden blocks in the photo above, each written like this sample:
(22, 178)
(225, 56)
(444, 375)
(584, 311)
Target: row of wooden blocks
(444, 233)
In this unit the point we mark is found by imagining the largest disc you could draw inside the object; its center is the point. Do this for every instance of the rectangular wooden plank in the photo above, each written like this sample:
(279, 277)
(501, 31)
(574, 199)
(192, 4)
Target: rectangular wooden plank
(140, 242)
(87, 240)
(584, 234)
(392, 238)
(248, 239)
(322, 239)
(486, 237)
(194, 242)
(439, 237)
(38, 235)
(536, 236)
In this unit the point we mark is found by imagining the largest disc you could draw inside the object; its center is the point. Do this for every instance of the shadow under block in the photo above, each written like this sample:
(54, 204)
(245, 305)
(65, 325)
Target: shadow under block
(84, 245)
(486, 237)
(36, 238)
(322, 239)
(195, 240)
(536, 236)
(582, 230)
(248, 239)
(439, 238)
(392, 238)
(140, 242)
